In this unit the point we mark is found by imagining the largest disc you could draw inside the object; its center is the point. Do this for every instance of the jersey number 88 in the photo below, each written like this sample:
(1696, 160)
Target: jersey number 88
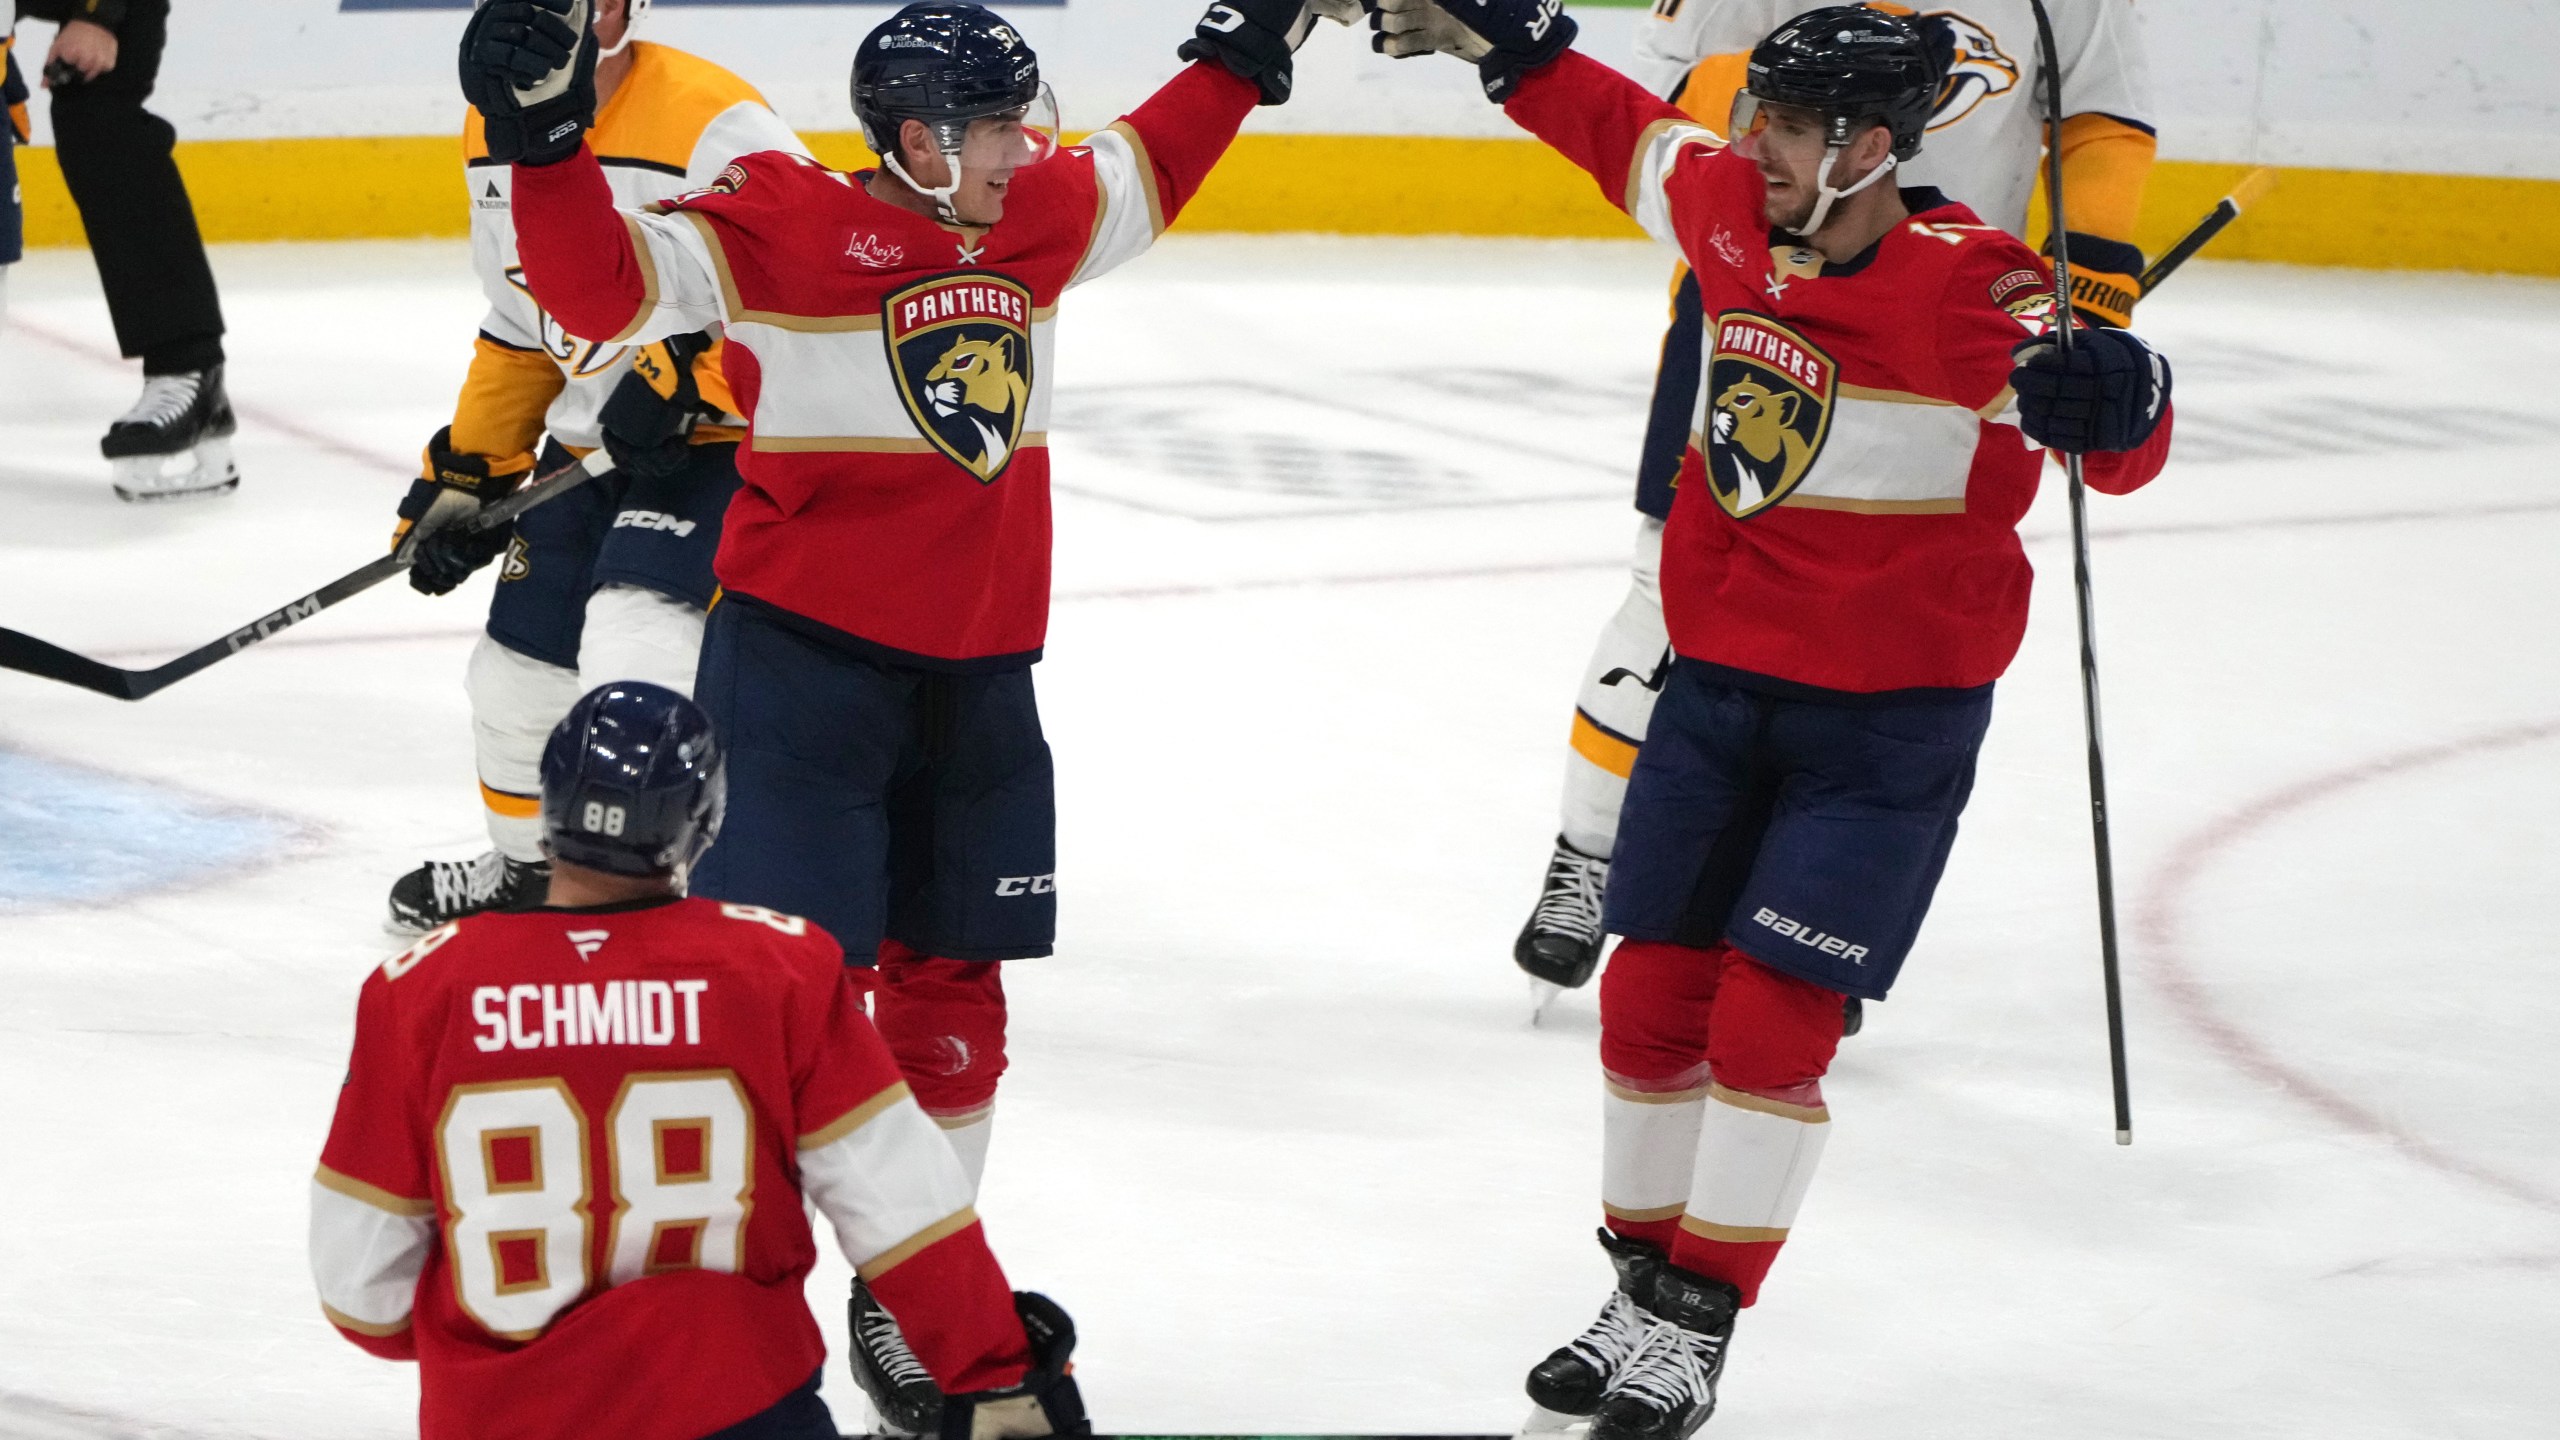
(679, 1167)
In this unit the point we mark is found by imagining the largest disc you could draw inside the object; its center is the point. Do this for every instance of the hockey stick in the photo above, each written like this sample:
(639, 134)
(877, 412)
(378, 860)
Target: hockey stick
(2049, 57)
(2243, 195)
(26, 653)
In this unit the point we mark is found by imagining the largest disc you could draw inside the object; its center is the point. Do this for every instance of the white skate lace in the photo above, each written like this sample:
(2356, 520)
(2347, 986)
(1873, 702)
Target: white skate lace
(462, 883)
(1614, 1338)
(164, 399)
(878, 1334)
(1571, 904)
(1674, 1369)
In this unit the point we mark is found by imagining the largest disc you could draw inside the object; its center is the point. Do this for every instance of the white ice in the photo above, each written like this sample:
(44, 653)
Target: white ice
(1337, 523)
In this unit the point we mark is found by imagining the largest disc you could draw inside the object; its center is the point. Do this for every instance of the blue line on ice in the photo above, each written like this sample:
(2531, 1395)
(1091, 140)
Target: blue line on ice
(70, 834)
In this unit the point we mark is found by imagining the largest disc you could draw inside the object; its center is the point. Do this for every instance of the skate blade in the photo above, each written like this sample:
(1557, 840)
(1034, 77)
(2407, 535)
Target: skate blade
(197, 474)
(1543, 1422)
(1542, 996)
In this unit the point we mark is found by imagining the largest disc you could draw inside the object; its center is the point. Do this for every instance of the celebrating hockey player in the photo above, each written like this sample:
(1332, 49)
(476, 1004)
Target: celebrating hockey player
(885, 575)
(1843, 583)
(610, 581)
(568, 1170)
(1985, 138)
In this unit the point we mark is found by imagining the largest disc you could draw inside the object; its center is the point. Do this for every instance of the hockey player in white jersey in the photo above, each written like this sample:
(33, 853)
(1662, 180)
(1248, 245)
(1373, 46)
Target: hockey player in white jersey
(1984, 146)
(610, 581)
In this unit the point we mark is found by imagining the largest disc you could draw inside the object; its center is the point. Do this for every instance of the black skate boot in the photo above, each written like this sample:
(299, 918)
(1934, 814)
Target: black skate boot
(1572, 1379)
(442, 891)
(175, 443)
(897, 1382)
(1560, 946)
(1853, 1016)
(1668, 1389)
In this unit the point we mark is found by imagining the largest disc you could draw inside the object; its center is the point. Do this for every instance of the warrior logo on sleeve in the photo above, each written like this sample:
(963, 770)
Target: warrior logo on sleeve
(1769, 396)
(961, 348)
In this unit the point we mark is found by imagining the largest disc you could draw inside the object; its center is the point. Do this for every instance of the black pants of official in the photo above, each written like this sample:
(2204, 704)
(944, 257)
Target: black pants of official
(117, 160)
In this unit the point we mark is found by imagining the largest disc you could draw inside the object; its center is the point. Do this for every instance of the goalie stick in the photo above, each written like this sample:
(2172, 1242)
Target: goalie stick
(26, 653)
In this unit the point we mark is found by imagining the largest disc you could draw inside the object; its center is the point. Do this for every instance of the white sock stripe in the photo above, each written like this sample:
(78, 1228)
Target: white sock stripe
(1648, 1152)
(1754, 1165)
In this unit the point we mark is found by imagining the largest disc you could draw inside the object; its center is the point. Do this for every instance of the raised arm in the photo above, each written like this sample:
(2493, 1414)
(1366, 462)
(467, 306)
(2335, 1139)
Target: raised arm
(608, 275)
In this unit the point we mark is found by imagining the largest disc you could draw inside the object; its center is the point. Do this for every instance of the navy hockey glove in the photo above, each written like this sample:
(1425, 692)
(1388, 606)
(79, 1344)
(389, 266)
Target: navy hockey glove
(1255, 39)
(529, 68)
(648, 420)
(2108, 396)
(1505, 39)
(1045, 1403)
(432, 536)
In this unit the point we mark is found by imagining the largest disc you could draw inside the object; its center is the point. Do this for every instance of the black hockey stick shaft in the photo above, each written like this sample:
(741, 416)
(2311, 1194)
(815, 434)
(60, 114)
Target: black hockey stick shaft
(26, 653)
(2050, 62)
(2219, 218)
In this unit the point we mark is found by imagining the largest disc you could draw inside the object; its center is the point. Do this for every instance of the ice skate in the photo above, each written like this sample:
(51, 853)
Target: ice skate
(175, 443)
(443, 891)
(1570, 1383)
(1560, 946)
(900, 1389)
(1668, 1388)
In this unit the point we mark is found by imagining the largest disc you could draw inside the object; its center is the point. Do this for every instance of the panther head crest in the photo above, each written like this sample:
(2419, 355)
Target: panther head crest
(980, 376)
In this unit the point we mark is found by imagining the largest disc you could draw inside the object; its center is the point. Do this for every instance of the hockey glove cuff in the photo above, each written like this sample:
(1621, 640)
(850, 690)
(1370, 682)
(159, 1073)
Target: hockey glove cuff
(1505, 39)
(2107, 395)
(648, 420)
(1255, 39)
(431, 535)
(1046, 1403)
(2106, 279)
(529, 68)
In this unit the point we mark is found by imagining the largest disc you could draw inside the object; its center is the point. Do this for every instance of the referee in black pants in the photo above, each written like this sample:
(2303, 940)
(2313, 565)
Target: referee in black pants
(117, 161)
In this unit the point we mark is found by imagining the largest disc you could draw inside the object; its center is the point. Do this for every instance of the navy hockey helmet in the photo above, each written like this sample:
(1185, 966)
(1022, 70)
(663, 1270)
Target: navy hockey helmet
(943, 64)
(1854, 66)
(633, 781)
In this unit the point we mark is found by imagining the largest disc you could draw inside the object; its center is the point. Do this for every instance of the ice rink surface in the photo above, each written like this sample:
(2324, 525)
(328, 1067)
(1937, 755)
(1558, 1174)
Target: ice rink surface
(1337, 523)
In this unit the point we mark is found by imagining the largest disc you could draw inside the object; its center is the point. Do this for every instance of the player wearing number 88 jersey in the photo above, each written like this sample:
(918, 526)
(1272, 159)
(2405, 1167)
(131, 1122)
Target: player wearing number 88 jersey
(568, 1165)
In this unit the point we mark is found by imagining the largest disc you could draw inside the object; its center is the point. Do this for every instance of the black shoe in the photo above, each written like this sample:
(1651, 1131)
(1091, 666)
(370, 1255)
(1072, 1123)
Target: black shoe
(897, 1382)
(1668, 1389)
(1572, 1379)
(1561, 943)
(443, 891)
(175, 443)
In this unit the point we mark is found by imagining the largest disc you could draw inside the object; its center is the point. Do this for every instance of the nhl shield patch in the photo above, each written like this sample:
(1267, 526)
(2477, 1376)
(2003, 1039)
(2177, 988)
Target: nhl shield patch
(960, 346)
(1770, 394)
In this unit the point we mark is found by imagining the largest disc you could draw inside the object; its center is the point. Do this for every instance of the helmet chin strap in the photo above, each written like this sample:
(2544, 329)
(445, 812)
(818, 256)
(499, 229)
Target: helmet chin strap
(632, 14)
(1825, 196)
(940, 195)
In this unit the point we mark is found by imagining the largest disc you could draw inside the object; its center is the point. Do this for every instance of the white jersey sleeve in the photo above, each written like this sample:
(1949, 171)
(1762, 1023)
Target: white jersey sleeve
(2106, 69)
(1132, 213)
(1680, 33)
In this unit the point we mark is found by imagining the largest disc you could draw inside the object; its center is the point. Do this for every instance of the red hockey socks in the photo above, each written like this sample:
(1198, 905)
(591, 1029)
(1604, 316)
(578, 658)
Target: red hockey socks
(944, 1021)
(1715, 1120)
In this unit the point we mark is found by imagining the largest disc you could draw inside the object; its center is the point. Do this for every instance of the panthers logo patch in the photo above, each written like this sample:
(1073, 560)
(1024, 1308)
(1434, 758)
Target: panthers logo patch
(961, 348)
(1769, 396)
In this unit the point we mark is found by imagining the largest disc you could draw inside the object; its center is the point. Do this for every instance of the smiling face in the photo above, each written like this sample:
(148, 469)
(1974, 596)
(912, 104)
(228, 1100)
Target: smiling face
(996, 146)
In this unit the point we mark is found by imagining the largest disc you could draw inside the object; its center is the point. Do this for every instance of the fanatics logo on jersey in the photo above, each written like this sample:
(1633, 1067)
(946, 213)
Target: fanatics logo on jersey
(1769, 409)
(960, 345)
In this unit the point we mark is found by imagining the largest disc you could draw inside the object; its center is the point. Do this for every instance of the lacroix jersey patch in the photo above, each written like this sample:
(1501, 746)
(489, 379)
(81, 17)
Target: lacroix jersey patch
(1770, 395)
(960, 345)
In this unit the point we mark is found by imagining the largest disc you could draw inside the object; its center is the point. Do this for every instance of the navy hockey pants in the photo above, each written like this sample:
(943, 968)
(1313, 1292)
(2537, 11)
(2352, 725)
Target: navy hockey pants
(1808, 834)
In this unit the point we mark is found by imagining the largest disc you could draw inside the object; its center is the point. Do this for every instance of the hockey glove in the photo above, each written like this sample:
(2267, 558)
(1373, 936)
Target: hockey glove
(2108, 395)
(1255, 39)
(648, 420)
(1045, 1403)
(439, 548)
(2106, 279)
(529, 68)
(1505, 39)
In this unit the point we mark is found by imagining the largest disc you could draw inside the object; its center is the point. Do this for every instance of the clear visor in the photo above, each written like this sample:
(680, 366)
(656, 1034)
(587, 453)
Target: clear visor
(1755, 127)
(1015, 138)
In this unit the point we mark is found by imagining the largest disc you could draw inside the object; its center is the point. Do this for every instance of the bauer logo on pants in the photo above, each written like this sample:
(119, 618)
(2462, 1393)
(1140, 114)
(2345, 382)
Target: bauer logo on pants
(1769, 399)
(961, 348)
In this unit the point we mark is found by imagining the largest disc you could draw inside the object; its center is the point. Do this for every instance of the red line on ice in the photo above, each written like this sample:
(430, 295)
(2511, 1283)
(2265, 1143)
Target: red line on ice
(2165, 960)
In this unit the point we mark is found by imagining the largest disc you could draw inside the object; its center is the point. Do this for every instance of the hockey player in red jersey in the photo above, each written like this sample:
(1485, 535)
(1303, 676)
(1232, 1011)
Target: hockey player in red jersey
(885, 569)
(1843, 583)
(568, 1167)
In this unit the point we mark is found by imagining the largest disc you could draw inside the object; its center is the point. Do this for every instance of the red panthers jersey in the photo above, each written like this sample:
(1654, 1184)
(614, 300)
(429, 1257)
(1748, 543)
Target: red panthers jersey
(895, 372)
(1846, 515)
(567, 1171)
